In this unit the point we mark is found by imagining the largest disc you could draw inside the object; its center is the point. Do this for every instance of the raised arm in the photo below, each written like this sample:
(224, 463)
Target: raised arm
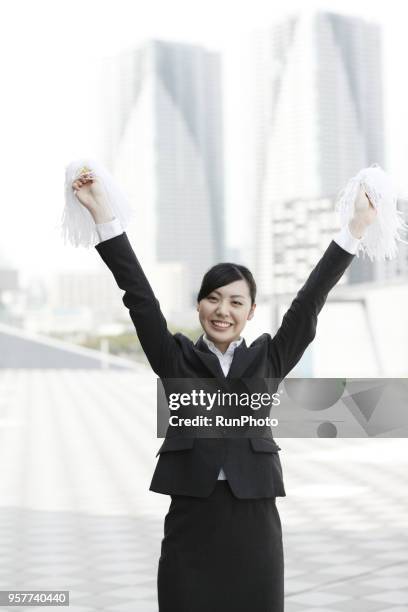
(159, 345)
(298, 327)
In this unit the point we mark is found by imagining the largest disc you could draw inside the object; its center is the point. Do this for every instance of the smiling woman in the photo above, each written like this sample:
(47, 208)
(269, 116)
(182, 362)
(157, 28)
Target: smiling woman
(225, 302)
(222, 548)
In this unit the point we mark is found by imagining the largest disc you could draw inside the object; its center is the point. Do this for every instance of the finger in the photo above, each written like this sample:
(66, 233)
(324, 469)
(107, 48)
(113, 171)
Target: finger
(86, 175)
(369, 201)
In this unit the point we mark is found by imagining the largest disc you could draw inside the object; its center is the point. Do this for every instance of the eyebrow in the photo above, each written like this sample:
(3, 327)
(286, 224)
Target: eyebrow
(233, 296)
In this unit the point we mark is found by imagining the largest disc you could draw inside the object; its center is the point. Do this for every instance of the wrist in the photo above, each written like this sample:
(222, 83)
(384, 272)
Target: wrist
(101, 214)
(357, 227)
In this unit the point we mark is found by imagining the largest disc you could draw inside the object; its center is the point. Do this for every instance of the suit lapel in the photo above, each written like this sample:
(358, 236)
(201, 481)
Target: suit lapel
(208, 359)
(242, 359)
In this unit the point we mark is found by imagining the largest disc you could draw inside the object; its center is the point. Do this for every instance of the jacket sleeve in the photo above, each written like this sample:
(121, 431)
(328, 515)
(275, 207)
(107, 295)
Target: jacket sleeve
(157, 342)
(298, 327)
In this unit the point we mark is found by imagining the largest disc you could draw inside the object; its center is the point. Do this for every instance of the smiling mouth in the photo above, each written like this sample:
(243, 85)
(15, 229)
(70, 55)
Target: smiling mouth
(221, 324)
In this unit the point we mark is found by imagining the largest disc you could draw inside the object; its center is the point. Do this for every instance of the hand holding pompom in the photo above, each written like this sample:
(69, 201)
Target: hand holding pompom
(368, 204)
(87, 189)
(364, 214)
(91, 196)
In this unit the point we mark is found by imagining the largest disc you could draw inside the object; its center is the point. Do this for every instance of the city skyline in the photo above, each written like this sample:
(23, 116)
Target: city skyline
(40, 131)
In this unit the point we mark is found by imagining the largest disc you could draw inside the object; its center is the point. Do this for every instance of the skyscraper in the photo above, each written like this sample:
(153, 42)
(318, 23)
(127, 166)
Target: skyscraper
(165, 146)
(318, 112)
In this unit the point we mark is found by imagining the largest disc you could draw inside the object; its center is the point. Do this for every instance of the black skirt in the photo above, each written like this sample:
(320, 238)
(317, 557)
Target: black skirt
(221, 554)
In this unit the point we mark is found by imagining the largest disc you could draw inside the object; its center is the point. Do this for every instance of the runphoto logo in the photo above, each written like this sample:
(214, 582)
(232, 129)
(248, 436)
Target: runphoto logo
(203, 399)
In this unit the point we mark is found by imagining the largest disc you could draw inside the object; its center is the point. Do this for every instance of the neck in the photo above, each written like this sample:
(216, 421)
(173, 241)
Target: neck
(221, 346)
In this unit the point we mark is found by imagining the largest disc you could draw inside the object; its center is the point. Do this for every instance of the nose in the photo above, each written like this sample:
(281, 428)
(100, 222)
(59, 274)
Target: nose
(222, 309)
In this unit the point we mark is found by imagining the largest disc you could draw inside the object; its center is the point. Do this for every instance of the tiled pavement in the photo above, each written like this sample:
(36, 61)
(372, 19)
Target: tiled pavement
(77, 454)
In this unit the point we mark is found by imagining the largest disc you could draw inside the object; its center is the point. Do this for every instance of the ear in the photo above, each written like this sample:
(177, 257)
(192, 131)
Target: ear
(198, 306)
(251, 312)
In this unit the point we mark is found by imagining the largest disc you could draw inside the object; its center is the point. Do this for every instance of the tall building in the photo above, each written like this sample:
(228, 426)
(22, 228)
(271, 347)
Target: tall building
(318, 116)
(164, 139)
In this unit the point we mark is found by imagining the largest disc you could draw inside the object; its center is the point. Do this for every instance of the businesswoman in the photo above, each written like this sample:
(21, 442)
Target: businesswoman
(222, 547)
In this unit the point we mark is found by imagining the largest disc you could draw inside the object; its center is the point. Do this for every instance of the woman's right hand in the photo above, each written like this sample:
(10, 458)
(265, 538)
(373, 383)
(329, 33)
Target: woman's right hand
(88, 190)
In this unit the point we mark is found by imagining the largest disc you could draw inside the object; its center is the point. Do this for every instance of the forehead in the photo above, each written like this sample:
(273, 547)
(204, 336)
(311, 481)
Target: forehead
(239, 287)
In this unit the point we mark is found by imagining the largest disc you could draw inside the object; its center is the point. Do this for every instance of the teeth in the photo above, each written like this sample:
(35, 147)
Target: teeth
(220, 324)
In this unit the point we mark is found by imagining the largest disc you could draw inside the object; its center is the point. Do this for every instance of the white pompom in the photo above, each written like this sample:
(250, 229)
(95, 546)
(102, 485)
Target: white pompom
(77, 224)
(380, 238)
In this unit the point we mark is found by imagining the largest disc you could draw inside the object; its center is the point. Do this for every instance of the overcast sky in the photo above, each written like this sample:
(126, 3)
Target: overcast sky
(48, 54)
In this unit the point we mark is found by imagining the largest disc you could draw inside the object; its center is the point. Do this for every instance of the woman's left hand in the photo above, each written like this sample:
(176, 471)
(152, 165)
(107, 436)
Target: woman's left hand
(364, 214)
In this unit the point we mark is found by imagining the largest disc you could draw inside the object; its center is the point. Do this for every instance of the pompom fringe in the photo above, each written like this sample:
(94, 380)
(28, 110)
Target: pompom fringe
(380, 238)
(77, 225)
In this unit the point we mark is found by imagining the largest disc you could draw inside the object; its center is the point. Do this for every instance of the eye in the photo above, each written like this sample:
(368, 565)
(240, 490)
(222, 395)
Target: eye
(236, 302)
(211, 298)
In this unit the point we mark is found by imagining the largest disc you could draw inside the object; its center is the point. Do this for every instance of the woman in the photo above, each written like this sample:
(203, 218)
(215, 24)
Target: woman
(222, 547)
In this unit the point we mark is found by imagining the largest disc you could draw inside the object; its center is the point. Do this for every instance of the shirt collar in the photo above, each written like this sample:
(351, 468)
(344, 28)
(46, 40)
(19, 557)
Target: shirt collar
(231, 348)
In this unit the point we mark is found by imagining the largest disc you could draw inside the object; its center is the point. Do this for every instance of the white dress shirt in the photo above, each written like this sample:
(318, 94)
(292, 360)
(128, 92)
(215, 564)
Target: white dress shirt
(343, 238)
(225, 360)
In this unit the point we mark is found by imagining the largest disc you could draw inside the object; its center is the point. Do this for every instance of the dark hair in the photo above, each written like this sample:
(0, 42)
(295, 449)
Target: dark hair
(223, 274)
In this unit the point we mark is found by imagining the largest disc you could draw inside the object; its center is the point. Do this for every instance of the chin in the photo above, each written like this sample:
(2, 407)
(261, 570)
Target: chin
(227, 335)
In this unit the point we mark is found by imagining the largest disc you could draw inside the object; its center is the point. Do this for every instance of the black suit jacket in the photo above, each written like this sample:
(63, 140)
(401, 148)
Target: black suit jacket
(190, 466)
